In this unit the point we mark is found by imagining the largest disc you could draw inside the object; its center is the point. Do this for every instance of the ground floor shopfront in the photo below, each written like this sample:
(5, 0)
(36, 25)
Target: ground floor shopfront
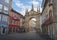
(48, 28)
(13, 28)
(3, 28)
(3, 23)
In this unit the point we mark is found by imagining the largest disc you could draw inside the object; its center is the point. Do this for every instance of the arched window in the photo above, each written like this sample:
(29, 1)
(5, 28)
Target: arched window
(50, 15)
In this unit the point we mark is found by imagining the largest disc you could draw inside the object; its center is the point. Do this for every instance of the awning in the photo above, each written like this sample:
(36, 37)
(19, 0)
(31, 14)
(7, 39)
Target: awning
(12, 18)
(13, 25)
(47, 21)
(17, 19)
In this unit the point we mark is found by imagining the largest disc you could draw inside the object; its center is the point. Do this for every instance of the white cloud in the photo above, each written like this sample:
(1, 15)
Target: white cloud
(22, 12)
(21, 5)
(34, 2)
(40, 9)
(35, 9)
(40, 0)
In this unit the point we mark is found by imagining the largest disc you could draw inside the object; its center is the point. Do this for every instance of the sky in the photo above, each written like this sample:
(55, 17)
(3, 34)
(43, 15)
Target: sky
(21, 5)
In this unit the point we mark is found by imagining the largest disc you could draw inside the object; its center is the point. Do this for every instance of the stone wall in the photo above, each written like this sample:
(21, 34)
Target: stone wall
(55, 16)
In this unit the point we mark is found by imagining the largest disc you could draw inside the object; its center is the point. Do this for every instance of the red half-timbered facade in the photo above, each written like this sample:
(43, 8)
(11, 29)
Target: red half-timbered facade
(14, 20)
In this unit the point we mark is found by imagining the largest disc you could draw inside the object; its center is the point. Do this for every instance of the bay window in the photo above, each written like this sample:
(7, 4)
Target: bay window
(5, 18)
(6, 10)
(0, 7)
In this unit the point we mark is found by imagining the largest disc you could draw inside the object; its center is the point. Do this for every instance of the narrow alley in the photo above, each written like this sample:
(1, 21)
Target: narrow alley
(28, 19)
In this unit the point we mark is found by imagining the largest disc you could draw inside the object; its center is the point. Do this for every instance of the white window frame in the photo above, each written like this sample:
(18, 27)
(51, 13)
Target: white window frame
(4, 18)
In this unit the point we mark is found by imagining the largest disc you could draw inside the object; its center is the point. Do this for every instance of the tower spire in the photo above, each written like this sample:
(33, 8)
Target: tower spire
(38, 9)
(32, 6)
(26, 11)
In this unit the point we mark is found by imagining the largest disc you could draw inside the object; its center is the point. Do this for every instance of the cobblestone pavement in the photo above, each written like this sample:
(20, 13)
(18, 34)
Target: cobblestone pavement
(22, 36)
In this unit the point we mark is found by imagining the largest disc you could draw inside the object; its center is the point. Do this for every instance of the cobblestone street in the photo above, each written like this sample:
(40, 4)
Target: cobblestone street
(22, 36)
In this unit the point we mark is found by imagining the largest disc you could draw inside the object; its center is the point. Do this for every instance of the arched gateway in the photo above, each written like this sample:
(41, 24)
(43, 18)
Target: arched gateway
(32, 14)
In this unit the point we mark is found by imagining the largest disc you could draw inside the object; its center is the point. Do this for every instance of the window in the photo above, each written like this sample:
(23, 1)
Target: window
(16, 22)
(5, 10)
(10, 22)
(5, 18)
(15, 16)
(50, 13)
(21, 16)
(0, 7)
(7, 1)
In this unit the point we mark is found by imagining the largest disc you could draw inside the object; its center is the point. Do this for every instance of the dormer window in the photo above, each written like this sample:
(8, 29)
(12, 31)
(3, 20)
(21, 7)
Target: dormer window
(51, 2)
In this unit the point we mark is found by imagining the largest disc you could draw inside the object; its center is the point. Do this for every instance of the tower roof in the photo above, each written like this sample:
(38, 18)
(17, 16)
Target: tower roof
(26, 11)
(32, 7)
(38, 9)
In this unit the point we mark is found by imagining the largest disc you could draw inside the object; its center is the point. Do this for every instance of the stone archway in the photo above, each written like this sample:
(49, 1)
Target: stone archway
(32, 24)
(37, 17)
(32, 14)
(29, 17)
